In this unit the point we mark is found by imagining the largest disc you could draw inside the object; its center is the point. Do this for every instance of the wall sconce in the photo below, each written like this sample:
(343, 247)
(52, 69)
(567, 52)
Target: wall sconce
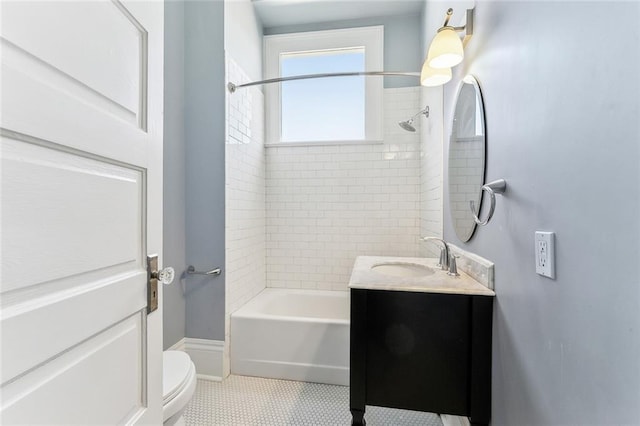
(432, 77)
(446, 51)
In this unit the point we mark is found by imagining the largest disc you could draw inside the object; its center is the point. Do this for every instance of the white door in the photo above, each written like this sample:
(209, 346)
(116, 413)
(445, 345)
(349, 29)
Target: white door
(81, 209)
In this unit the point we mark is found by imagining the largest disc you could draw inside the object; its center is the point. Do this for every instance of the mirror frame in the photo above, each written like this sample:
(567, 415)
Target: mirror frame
(469, 79)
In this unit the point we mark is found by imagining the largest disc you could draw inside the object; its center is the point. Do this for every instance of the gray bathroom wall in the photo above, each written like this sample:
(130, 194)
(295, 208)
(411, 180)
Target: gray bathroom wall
(205, 156)
(561, 93)
(402, 42)
(174, 172)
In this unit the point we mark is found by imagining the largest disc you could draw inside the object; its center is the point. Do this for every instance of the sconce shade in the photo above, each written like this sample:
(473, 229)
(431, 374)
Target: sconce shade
(434, 76)
(446, 49)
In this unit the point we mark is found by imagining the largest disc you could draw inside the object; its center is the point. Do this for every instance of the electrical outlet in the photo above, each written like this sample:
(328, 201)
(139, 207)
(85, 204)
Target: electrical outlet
(545, 253)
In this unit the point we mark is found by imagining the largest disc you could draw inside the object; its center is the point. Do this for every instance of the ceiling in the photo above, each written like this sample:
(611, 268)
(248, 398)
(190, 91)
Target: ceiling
(276, 13)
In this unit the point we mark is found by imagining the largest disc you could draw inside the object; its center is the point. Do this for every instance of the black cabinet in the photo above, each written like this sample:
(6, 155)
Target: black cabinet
(421, 351)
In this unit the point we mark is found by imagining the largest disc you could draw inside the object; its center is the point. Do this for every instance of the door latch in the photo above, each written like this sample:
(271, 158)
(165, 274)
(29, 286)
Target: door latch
(165, 276)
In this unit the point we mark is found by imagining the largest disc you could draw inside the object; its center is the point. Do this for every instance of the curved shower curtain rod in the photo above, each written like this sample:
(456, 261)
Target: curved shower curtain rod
(233, 87)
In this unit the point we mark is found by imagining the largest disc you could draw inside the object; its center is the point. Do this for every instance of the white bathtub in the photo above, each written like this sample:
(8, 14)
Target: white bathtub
(293, 334)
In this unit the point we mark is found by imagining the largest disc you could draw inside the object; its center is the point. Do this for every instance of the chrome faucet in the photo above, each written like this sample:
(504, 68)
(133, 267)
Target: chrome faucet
(444, 252)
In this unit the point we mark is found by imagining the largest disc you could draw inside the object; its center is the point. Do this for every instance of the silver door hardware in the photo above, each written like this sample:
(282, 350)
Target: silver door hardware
(165, 276)
(191, 270)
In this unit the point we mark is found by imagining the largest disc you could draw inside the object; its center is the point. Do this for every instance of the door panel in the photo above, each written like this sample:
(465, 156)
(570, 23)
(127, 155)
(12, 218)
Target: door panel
(92, 211)
(112, 362)
(71, 112)
(81, 198)
(117, 42)
(49, 325)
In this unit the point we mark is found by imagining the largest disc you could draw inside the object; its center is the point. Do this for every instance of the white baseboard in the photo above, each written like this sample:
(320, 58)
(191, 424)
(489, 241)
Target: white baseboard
(449, 420)
(178, 346)
(206, 355)
(209, 378)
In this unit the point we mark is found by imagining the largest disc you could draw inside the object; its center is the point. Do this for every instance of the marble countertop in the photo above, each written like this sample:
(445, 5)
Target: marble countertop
(363, 277)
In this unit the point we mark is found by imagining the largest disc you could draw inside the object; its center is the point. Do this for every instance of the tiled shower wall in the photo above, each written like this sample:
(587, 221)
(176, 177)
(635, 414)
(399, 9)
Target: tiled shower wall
(326, 205)
(431, 170)
(466, 168)
(245, 192)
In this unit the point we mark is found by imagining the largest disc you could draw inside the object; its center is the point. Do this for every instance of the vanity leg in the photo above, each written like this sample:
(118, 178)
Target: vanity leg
(358, 418)
(358, 356)
(480, 386)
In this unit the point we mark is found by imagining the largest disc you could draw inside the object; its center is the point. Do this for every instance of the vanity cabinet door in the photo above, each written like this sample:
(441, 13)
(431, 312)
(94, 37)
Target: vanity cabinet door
(418, 351)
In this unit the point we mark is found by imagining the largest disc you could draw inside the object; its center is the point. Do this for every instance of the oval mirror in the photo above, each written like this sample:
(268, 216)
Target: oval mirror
(466, 157)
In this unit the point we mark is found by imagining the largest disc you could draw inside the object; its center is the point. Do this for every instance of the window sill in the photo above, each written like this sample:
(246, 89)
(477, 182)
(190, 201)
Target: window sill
(325, 143)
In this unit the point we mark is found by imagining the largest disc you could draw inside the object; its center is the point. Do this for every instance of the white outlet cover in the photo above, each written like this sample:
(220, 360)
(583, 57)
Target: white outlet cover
(545, 254)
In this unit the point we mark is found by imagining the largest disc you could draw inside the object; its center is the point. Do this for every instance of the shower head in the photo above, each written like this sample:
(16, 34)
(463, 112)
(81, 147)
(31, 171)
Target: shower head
(408, 124)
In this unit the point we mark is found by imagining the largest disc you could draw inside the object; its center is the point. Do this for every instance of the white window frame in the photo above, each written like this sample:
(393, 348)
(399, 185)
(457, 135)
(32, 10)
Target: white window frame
(371, 38)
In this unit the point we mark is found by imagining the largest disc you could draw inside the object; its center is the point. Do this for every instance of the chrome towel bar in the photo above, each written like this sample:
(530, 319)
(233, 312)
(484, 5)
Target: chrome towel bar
(191, 270)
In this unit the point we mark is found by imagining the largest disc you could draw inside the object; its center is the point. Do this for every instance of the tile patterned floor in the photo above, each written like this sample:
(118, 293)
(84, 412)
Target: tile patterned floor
(252, 401)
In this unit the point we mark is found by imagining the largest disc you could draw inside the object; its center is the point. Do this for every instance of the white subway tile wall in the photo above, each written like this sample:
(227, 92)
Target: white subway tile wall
(326, 205)
(245, 192)
(466, 168)
(431, 222)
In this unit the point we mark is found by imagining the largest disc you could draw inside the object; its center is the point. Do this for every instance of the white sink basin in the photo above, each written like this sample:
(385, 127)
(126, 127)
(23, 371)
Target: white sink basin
(418, 274)
(403, 270)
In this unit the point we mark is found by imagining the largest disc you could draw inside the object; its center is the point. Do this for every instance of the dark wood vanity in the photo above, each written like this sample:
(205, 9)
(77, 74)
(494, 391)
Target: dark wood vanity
(424, 351)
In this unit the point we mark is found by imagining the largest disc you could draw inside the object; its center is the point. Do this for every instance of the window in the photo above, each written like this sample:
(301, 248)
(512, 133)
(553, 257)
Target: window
(324, 110)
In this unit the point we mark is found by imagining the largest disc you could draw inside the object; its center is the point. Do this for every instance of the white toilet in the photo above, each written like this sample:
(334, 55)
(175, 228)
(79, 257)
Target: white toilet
(178, 385)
